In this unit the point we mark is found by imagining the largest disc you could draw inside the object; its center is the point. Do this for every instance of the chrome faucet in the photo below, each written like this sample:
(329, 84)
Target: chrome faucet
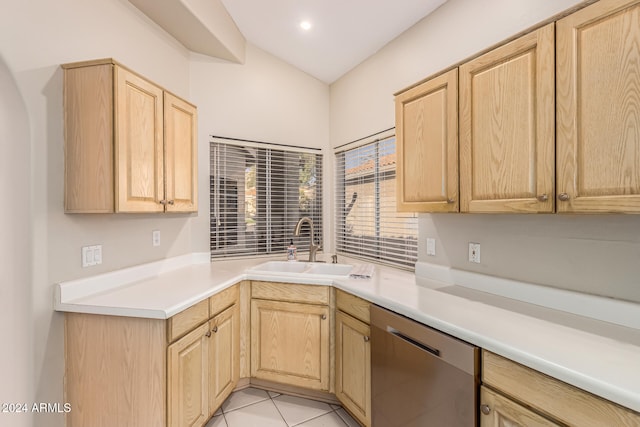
(312, 248)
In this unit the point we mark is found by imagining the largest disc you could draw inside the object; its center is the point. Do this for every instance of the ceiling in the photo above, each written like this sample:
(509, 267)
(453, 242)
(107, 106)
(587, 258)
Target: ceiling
(343, 32)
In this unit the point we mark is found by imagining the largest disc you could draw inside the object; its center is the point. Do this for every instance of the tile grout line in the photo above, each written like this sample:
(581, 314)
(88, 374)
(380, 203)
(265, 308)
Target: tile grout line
(271, 398)
(310, 419)
(278, 409)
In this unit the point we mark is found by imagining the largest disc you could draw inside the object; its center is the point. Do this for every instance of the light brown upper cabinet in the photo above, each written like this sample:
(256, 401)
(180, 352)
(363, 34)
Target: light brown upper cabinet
(507, 127)
(180, 155)
(598, 108)
(130, 146)
(427, 148)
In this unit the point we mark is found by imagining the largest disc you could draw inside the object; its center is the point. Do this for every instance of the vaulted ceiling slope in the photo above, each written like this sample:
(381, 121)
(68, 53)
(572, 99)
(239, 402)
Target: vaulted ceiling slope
(342, 33)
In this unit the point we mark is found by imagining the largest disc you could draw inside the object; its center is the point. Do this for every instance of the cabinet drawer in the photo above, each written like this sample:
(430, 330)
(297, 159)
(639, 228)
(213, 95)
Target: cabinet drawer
(187, 319)
(563, 402)
(312, 294)
(353, 305)
(222, 300)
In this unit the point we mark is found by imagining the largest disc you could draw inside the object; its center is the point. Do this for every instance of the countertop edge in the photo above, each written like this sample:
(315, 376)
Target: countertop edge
(625, 396)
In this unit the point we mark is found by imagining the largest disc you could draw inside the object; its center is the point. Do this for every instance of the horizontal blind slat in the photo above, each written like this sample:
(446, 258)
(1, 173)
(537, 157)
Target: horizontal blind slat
(367, 223)
(257, 196)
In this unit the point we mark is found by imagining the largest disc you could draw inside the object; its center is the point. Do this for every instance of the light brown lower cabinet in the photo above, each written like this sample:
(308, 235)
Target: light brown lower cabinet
(521, 396)
(187, 378)
(123, 371)
(131, 372)
(499, 411)
(224, 356)
(290, 343)
(115, 371)
(353, 366)
(203, 369)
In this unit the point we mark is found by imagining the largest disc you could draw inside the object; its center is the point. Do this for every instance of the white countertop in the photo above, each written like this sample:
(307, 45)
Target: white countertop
(595, 355)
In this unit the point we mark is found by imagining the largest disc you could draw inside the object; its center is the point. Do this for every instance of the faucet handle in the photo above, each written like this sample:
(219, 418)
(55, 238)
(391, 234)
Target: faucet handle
(334, 259)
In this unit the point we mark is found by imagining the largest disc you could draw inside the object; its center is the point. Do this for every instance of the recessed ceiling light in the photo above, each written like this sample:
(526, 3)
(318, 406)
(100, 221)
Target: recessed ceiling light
(305, 25)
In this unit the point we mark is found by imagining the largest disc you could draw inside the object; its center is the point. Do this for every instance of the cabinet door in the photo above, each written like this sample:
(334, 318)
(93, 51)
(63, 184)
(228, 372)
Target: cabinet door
(139, 144)
(224, 356)
(498, 411)
(353, 366)
(188, 379)
(598, 154)
(507, 127)
(290, 343)
(180, 155)
(427, 147)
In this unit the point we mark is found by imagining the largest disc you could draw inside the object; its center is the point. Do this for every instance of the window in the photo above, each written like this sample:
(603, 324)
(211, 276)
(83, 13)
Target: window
(258, 193)
(368, 225)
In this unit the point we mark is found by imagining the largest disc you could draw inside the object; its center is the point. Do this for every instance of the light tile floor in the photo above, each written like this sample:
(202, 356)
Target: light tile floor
(252, 407)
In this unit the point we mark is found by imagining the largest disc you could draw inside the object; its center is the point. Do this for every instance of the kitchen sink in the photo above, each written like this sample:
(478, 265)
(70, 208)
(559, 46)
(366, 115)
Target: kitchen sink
(281, 267)
(330, 269)
(308, 269)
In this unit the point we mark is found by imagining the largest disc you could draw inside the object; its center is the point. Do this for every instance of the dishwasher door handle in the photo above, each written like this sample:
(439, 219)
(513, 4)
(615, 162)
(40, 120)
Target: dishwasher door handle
(413, 342)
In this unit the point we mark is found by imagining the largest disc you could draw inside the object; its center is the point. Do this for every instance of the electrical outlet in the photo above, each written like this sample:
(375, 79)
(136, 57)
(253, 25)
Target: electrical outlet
(91, 255)
(155, 237)
(474, 252)
(431, 246)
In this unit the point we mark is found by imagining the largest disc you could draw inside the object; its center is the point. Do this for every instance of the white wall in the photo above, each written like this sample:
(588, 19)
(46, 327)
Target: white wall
(15, 250)
(362, 100)
(594, 254)
(36, 36)
(263, 99)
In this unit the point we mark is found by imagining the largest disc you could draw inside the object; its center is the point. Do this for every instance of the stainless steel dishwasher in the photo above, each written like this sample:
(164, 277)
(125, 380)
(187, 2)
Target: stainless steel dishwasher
(420, 377)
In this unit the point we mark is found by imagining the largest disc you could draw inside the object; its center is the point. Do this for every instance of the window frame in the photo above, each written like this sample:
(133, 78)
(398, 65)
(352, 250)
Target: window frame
(273, 183)
(372, 248)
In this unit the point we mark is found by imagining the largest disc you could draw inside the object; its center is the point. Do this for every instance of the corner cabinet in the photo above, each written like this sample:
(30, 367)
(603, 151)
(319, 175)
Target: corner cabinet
(598, 118)
(290, 334)
(427, 148)
(353, 356)
(130, 146)
(507, 127)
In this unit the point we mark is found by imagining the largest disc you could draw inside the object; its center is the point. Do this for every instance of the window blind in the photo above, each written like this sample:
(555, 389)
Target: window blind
(367, 223)
(258, 192)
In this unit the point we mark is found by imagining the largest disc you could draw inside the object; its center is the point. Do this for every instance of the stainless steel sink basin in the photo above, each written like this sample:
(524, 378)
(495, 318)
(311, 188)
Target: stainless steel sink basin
(308, 269)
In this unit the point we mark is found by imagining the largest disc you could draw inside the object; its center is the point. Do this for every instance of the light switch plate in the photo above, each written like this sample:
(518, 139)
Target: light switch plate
(474, 252)
(91, 255)
(97, 254)
(431, 246)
